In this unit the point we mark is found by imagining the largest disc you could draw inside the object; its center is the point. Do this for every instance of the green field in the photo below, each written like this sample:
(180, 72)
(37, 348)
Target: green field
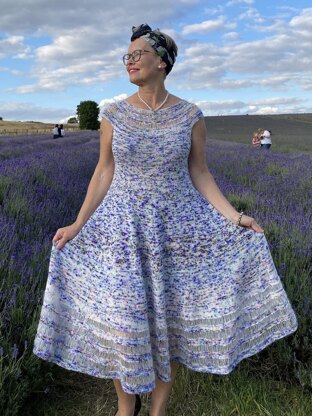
(290, 132)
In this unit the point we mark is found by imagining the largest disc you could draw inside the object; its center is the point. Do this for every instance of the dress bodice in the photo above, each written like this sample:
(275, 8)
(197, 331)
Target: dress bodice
(151, 148)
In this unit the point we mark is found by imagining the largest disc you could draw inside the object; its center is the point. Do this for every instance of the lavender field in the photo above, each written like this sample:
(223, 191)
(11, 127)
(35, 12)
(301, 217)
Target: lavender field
(42, 186)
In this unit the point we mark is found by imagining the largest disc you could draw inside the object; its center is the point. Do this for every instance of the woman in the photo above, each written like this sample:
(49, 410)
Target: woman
(158, 268)
(256, 139)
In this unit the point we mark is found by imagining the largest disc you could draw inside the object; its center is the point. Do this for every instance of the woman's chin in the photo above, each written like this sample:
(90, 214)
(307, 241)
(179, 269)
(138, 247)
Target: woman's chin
(136, 81)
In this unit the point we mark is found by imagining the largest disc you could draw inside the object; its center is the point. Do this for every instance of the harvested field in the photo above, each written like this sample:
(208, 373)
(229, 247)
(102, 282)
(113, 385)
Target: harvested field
(290, 132)
(10, 128)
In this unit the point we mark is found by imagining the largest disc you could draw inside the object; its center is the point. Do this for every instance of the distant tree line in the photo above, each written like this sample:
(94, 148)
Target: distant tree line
(72, 120)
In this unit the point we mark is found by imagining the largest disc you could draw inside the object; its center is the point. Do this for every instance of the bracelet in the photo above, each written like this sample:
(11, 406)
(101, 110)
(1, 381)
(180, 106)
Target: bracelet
(240, 217)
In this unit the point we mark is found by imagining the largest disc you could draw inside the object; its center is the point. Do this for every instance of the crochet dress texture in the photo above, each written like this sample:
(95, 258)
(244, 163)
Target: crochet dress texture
(157, 273)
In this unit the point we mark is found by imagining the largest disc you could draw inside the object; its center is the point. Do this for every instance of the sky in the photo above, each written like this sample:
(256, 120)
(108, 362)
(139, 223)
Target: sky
(234, 56)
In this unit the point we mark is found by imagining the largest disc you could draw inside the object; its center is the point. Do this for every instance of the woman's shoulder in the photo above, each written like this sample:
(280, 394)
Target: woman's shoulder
(187, 110)
(193, 107)
(110, 107)
(111, 110)
(176, 100)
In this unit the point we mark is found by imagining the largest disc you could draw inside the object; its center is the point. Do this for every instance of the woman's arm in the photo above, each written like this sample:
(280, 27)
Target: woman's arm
(102, 176)
(97, 189)
(204, 182)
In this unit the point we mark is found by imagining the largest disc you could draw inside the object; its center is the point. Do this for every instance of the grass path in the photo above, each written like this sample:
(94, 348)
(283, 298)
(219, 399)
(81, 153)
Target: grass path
(193, 394)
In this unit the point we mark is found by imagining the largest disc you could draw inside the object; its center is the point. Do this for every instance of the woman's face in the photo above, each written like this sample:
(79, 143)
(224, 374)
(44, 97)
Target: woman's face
(148, 65)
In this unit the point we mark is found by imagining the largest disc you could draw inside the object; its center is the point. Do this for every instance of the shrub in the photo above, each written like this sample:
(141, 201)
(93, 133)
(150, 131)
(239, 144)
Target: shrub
(72, 120)
(88, 113)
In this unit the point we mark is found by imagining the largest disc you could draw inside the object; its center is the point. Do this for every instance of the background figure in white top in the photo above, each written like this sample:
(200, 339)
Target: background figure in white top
(55, 132)
(266, 139)
(61, 131)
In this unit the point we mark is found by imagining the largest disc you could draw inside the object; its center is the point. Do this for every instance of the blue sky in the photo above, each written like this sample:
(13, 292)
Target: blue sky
(235, 56)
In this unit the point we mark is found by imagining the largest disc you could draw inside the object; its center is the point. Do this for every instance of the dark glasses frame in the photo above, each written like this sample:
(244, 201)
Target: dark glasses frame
(135, 56)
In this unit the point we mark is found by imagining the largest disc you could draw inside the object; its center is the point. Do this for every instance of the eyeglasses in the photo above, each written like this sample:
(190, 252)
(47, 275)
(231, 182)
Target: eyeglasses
(135, 56)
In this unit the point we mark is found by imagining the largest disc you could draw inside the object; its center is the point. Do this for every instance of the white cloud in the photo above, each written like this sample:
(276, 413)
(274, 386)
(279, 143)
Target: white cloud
(252, 15)
(31, 112)
(189, 2)
(203, 27)
(65, 120)
(27, 111)
(106, 101)
(274, 105)
(93, 55)
(277, 61)
(289, 9)
(15, 72)
(61, 17)
(306, 83)
(83, 49)
(213, 11)
(11, 45)
(280, 101)
(231, 36)
(99, 66)
(211, 108)
(267, 110)
(208, 26)
(233, 2)
(303, 21)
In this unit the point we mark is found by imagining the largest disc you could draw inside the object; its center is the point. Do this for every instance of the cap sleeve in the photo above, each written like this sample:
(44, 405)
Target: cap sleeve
(195, 114)
(110, 113)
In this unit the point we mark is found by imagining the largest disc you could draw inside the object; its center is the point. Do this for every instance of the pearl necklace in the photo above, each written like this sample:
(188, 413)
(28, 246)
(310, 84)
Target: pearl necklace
(150, 108)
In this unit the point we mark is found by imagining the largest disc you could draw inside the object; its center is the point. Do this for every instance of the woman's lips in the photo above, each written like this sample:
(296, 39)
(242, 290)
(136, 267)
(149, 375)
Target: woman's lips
(131, 70)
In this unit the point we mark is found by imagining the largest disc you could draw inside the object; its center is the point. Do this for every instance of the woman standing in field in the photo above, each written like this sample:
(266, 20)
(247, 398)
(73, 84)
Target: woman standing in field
(256, 137)
(158, 268)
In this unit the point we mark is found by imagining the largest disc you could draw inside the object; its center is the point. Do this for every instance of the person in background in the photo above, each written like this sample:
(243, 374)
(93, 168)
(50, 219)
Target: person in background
(266, 141)
(55, 131)
(256, 139)
(62, 131)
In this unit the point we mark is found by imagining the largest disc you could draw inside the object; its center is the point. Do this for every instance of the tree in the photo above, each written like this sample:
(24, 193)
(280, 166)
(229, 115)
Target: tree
(87, 114)
(72, 120)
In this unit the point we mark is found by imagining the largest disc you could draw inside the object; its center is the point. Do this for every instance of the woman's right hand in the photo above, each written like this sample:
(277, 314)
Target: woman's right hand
(65, 234)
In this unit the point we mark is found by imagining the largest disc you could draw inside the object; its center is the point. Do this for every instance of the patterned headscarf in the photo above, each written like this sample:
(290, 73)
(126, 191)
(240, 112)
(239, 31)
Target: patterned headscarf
(158, 43)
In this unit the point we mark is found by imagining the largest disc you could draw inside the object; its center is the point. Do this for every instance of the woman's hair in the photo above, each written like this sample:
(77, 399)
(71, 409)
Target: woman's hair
(172, 49)
(171, 45)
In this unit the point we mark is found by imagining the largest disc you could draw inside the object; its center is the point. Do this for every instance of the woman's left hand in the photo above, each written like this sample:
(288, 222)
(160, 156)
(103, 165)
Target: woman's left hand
(250, 222)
